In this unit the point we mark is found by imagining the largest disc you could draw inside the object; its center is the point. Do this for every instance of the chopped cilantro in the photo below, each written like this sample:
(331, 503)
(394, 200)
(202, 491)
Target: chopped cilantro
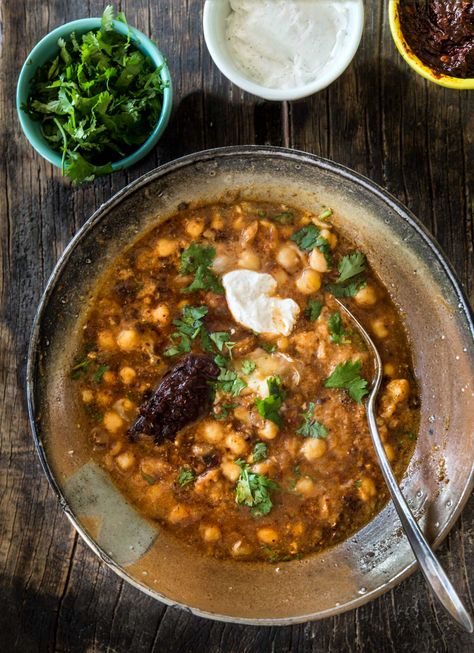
(189, 327)
(248, 367)
(149, 479)
(348, 290)
(311, 428)
(260, 452)
(268, 347)
(80, 368)
(197, 259)
(285, 217)
(337, 332)
(297, 471)
(350, 266)
(229, 383)
(221, 361)
(358, 483)
(309, 237)
(252, 490)
(222, 339)
(346, 375)
(185, 476)
(99, 373)
(269, 407)
(224, 411)
(313, 309)
(327, 213)
(97, 100)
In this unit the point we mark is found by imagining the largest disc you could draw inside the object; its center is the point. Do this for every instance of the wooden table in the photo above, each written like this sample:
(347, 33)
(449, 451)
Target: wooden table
(379, 118)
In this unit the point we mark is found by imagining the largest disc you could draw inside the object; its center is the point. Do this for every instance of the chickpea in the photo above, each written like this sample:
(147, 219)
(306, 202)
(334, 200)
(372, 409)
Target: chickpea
(389, 369)
(127, 375)
(112, 421)
(280, 276)
(230, 470)
(125, 461)
(249, 260)
(106, 341)
(398, 390)
(379, 328)
(288, 258)
(330, 236)
(366, 296)
(178, 513)
(269, 430)
(211, 534)
(242, 414)
(104, 398)
(267, 535)
(390, 452)
(283, 343)
(116, 448)
(109, 377)
(221, 264)
(128, 339)
(314, 448)
(240, 549)
(248, 234)
(309, 281)
(236, 444)
(195, 227)
(305, 486)
(165, 247)
(317, 261)
(87, 396)
(265, 467)
(217, 222)
(212, 431)
(367, 489)
(161, 314)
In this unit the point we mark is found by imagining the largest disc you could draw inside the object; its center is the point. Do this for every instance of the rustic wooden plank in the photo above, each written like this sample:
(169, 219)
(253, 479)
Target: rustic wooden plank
(378, 118)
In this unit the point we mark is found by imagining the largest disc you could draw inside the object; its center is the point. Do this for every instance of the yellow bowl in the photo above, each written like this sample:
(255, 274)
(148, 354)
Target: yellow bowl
(415, 63)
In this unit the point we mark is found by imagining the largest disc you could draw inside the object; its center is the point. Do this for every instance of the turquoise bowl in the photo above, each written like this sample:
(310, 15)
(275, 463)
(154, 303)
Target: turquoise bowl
(47, 49)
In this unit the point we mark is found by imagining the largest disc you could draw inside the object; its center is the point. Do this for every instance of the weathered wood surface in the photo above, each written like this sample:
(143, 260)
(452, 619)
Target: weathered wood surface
(412, 137)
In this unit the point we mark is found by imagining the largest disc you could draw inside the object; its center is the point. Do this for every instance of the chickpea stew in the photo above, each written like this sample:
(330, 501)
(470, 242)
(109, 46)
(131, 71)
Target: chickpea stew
(223, 390)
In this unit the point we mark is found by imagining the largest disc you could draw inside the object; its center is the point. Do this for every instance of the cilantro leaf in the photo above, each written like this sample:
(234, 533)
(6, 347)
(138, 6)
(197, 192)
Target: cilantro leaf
(269, 407)
(248, 367)
(309, 237)
(185, 476)
(346, 376)
(252, 490)
(99, 373)
(96, 100)
(260, 452)
(269, 347)
(222, 339)
(337, 332)
(197, 259)
(229, 383)
(313, 309)
(350, 266)
(80, 368)
(349, 290)
(189, 327)
(285, 217)
(311, 428)
(223, 412)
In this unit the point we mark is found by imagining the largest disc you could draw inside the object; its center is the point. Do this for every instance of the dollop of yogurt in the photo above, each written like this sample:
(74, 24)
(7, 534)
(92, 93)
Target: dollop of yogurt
(285, 43)
(250, 299)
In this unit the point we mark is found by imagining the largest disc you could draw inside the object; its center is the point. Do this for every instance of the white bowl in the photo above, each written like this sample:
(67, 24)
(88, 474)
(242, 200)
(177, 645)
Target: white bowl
(214, 19)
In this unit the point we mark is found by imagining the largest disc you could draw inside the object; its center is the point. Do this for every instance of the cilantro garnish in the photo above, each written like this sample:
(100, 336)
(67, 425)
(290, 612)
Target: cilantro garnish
(337, 332)
(252, 490)
(327, 213)
(80, 368)
(310, 427)
(349, 290)
(358, 483)
(269, 407)
(224, 411)
(260, 452)
(350, 266)
(197, 260)
(185, 476)
(99, 373)
(97, 101)
(248, 367)
(189, 327)
(309, 237)
(313, 309)
(268, 347)
(285, 217)
(149, 479)
(346, 375)
(229, 383)
(222, 339)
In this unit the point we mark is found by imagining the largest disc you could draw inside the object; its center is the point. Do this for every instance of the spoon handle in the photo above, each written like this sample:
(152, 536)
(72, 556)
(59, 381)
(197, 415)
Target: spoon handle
(432, 570)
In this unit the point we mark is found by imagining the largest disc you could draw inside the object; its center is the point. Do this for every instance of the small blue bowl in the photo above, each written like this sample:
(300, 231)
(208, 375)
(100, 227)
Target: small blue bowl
(47, 49)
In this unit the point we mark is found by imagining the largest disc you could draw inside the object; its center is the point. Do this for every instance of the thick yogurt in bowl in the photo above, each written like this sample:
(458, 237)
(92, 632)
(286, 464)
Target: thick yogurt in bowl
(280, 49)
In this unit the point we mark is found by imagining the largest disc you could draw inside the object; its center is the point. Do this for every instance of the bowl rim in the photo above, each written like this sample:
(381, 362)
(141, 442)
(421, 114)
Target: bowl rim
(82, 25)
(297, 156)
(457, 83)
(265, 92)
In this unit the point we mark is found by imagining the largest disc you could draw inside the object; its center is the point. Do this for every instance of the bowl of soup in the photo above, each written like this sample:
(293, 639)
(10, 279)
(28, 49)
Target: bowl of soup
(197, 397)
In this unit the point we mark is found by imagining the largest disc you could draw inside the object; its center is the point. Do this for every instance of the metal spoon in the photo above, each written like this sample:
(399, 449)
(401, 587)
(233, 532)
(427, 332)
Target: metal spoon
(432, 570)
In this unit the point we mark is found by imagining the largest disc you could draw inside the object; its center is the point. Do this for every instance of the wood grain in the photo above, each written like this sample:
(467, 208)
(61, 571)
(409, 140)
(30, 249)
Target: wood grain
(412, 137)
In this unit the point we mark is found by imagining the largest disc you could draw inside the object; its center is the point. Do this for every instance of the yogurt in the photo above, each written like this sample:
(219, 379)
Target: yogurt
(283, 44)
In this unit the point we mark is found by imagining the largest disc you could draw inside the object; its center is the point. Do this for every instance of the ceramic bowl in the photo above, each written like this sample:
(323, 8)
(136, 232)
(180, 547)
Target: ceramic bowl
(214, 18)
(440, 326)
(414, 62)
(47, 49)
